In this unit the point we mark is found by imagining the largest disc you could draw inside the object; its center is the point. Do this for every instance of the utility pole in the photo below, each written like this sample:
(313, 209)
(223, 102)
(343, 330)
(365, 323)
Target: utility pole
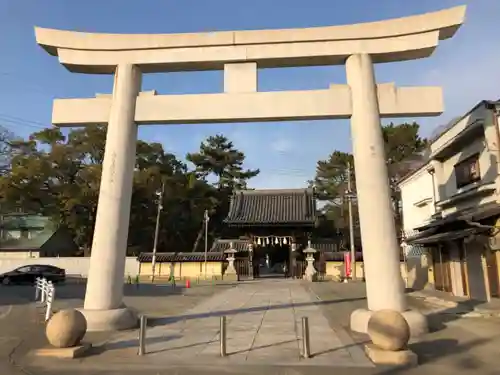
(350, 196)
(206, 219)
(157, 228)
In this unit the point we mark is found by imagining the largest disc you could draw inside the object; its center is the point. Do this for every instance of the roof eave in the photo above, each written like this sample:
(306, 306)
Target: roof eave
(270, 224)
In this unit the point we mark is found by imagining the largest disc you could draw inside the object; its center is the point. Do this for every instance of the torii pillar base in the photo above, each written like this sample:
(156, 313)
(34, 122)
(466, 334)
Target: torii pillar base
(110, 320)
(415, 319)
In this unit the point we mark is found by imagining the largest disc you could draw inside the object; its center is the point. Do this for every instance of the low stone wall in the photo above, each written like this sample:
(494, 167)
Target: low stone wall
(336, 270)
(183, 270)
(79, 266)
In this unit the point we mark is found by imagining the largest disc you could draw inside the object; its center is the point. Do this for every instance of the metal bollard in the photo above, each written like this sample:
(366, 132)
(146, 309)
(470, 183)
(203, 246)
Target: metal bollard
(137, 281)
(142, 335)
(223, 336)
(306, 348)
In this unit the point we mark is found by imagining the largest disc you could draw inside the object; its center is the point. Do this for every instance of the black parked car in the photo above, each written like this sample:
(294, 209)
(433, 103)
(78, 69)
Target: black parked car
(28, 274)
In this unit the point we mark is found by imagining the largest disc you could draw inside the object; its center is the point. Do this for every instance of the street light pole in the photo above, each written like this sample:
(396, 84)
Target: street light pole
(157, 228)
(206, 218)
(351, 222)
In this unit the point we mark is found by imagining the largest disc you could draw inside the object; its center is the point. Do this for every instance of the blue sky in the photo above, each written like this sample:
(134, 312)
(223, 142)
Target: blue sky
(467, 66)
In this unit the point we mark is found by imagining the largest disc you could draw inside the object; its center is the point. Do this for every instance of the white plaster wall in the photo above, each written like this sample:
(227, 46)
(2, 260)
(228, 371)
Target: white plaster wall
(485, 144)
(446, 138)
(72, 265)
(416, 189)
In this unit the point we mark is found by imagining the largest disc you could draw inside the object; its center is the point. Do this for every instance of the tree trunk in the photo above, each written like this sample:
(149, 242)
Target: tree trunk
(198, 238)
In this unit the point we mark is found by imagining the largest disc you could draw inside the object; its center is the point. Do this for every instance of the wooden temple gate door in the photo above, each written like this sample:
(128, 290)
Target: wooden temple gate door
(242, 266)
(492, 273)
(442, 270)
(320, 265)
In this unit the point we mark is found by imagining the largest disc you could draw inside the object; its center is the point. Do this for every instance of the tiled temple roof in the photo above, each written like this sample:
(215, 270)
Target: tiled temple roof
(291, 207)
(320, 244)
(221, 245)
(339, 256)
(181, 257)
(326, 245)
(219, 257)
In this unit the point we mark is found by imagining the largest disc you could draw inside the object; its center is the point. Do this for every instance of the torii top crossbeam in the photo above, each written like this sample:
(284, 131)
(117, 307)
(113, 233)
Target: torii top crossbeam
(390, 40)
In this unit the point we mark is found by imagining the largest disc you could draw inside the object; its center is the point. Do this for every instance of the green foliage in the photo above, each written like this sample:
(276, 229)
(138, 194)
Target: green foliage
(217, 156)
(401, 143)
(59, 177)
(6, 139)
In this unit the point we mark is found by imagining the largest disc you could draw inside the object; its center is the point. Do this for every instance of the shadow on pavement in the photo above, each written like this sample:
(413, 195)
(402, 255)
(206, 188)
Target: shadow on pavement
(99, 349)
(437, 320)
(358, 344)
(432, 351)
(25, 294)
(173, 319)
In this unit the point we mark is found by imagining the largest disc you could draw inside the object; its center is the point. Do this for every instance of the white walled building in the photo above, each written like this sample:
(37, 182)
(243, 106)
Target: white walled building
(450, 205)
(417, 199)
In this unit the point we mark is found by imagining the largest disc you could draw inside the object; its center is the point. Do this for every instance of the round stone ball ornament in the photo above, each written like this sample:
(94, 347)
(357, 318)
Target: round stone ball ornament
(66, 328)
(388, 330)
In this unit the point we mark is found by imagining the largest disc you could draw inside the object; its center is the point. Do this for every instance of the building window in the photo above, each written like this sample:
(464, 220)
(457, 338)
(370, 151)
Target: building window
(467, 171)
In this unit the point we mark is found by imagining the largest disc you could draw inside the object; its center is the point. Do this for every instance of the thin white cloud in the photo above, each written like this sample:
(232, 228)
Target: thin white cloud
(467, 78)
(271, 180)
(282, 145)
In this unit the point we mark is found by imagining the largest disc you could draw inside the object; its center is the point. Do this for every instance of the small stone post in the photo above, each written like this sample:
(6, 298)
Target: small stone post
(293, 261)
(250, 262)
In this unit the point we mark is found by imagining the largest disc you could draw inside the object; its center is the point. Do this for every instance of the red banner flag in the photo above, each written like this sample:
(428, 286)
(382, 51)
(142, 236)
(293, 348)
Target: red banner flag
(347, 264)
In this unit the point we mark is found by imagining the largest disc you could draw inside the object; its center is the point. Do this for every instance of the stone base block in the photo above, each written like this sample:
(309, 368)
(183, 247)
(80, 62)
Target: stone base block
(110, 320)
(385, 357)
(416, 320)
(230, 277)
(63, 353)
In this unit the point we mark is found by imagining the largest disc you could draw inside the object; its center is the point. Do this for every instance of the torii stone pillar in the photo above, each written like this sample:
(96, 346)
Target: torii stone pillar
(381, 251)
(240, 54)
(103, 306)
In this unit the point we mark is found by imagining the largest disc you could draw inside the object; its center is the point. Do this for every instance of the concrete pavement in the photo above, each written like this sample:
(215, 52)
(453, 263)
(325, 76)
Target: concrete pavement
(22, 324)
(263, 325)
(455, 347)
(18, 320)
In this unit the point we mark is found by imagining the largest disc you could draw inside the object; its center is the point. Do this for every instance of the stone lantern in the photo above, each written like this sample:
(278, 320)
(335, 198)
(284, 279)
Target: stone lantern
(230, 273)
(251, 271)
(310, 272)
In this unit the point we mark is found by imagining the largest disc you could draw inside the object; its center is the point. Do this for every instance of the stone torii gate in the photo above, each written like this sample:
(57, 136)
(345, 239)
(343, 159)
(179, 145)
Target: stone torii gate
(240, 54)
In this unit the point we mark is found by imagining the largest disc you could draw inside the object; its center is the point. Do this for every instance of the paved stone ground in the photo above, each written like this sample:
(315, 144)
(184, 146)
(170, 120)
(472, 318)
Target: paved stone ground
(17, 322)
(455, 347)
(263, 328)
(22, 324)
